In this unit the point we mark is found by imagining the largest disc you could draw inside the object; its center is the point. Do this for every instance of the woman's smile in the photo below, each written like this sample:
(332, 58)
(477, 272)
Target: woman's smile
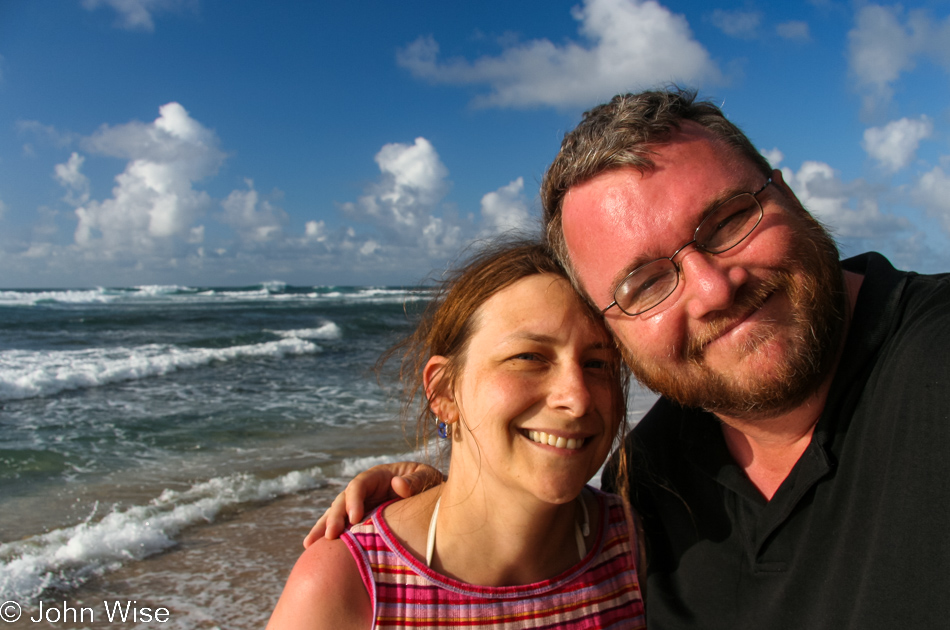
(550, 439)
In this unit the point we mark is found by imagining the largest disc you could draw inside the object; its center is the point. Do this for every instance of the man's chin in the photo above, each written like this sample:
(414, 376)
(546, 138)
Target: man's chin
(775, 367)
(760, 385)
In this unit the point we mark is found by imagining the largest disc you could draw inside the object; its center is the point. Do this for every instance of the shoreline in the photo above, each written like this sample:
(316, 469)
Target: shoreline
(225, 574)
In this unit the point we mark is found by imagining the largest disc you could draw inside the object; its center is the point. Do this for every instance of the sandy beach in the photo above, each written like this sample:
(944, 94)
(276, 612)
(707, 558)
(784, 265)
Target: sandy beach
(223, 575)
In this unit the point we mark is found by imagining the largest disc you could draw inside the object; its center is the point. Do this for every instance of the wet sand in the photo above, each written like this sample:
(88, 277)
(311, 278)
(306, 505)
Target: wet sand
(224, 575)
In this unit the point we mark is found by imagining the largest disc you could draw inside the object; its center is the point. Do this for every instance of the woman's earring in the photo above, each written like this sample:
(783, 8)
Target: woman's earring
(443, 433)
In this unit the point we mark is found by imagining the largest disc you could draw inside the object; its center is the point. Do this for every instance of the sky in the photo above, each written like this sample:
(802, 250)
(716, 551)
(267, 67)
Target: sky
(233, 142)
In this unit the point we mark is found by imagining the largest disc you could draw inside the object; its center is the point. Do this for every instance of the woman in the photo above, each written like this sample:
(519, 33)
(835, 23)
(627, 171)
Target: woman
(524, 382)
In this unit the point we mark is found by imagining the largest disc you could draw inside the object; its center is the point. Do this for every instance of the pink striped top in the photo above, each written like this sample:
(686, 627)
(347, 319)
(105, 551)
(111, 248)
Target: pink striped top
(600, 592)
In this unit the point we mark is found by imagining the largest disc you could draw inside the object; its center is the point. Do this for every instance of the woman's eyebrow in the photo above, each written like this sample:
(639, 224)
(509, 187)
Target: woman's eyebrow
(526, 335)
(550, 339)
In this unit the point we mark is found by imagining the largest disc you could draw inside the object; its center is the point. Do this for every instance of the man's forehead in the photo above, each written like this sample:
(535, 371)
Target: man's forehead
(619, 216)
(692, 163)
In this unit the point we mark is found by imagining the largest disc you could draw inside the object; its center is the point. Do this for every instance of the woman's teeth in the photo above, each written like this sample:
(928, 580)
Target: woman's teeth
(552, 440)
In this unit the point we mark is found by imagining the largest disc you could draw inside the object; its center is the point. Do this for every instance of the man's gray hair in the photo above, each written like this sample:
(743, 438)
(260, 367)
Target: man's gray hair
(623, 133)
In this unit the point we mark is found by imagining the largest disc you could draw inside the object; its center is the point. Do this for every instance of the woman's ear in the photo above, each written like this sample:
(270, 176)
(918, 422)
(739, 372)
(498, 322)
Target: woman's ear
(441, 400)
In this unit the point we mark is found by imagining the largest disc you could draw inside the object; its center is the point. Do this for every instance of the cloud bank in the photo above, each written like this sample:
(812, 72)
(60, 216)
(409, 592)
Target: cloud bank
(741, 24)
(158, 217)
(887, 42)
(153, 198)
(137, 14)
(624, 44)
(895, 144)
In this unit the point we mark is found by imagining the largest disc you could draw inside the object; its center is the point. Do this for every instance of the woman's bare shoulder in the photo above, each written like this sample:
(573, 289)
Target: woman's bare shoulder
(324, 590)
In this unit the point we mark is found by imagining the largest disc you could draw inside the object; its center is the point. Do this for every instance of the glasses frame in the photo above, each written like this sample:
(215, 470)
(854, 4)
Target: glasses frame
(699, 246)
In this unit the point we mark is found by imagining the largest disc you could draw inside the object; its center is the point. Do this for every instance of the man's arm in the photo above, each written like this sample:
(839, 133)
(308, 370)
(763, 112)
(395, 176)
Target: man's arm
(371, 488)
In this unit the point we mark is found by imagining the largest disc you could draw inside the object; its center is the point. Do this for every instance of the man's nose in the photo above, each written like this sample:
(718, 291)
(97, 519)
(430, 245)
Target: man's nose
(710, 282)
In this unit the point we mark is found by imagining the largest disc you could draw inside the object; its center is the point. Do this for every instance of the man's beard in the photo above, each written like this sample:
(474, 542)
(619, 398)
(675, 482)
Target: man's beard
(818, 305)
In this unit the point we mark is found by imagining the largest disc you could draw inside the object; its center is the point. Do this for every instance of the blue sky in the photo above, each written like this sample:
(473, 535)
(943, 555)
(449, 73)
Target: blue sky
(230, 142)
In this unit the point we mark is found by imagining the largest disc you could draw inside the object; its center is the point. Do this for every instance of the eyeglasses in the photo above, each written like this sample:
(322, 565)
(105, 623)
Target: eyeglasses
(725, 227)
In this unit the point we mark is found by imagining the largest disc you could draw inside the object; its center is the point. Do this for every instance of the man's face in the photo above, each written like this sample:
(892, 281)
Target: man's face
(750, 332)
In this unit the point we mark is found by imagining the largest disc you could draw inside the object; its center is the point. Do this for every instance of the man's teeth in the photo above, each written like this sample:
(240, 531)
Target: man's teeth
(553, 440)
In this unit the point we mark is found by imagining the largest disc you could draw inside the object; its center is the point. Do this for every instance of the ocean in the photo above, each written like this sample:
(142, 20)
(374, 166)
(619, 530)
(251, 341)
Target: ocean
(166, 448)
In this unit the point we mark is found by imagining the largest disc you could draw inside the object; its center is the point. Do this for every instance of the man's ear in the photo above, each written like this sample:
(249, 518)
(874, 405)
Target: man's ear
(780, 183)
(786, 191)
(440, 397)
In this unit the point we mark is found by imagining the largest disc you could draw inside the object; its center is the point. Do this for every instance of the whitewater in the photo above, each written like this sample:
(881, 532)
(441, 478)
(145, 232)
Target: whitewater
(172, 445)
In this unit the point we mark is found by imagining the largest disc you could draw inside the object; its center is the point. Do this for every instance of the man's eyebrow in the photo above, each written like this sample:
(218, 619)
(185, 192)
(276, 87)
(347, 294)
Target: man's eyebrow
(643, 259)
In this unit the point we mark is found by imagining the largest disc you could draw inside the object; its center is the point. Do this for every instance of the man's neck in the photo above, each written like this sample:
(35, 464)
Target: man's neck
(768, 449)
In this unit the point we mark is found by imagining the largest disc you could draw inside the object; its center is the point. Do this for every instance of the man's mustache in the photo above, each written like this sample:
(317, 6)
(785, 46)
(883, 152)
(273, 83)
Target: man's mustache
(748, 300)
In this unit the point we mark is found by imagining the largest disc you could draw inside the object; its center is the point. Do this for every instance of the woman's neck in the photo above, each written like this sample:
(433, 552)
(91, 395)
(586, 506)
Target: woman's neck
(493, 539)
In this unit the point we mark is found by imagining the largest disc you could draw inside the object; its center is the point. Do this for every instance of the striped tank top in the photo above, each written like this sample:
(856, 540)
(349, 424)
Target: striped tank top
(600, 592)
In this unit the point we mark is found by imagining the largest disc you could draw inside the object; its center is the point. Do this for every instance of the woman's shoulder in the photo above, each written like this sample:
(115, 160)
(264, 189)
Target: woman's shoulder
(606, 501)
(405, 523)
(624, 531)
(324, 590)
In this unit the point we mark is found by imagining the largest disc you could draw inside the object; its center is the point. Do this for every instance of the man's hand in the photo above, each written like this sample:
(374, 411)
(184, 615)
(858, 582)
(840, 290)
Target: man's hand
(371, 488)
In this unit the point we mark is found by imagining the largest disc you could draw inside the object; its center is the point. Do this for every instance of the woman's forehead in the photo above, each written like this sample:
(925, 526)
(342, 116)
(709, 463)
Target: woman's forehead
(540, 304)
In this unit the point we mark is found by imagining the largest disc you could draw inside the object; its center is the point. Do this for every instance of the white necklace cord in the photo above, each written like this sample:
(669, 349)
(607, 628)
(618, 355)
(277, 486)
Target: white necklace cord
(580, 531)
(430, 539)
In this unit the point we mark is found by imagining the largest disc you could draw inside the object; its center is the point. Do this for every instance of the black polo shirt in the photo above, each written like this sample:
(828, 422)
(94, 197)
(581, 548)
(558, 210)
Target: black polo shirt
(858, 535)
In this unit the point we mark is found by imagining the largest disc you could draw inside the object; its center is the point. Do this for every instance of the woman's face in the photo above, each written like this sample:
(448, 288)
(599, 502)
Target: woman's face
(536, 398)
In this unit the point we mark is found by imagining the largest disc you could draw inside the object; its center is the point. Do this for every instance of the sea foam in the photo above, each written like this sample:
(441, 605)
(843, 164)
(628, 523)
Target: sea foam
(31, 298)
(329, 330)
(65, 558)
(28, 374)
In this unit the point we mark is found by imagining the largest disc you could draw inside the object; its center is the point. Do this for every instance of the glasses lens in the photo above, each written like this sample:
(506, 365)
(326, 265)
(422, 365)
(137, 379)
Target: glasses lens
(729, 224)
(646, 287)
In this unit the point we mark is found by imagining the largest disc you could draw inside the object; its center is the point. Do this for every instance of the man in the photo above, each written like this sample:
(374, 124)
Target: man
(795, 471)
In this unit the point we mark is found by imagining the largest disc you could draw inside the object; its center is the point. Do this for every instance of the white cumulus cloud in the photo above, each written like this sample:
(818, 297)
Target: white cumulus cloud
(45, 133)
(153, 197)
(742, 24)
(794, 30)
(506, 209)
(895, 144)
(774, 156)
(850, 210)
(415, 175)
(933, 192)
(315, 231)
(76, 184)
(137, 14)
(404, 222)
(625, 44)
(413, 181)
(251, 217)
(882, 46)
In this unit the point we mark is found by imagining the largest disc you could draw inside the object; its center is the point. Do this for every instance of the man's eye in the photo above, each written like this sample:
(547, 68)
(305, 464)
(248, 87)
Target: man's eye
(646, 284)
(646, 287)
(732, 221)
